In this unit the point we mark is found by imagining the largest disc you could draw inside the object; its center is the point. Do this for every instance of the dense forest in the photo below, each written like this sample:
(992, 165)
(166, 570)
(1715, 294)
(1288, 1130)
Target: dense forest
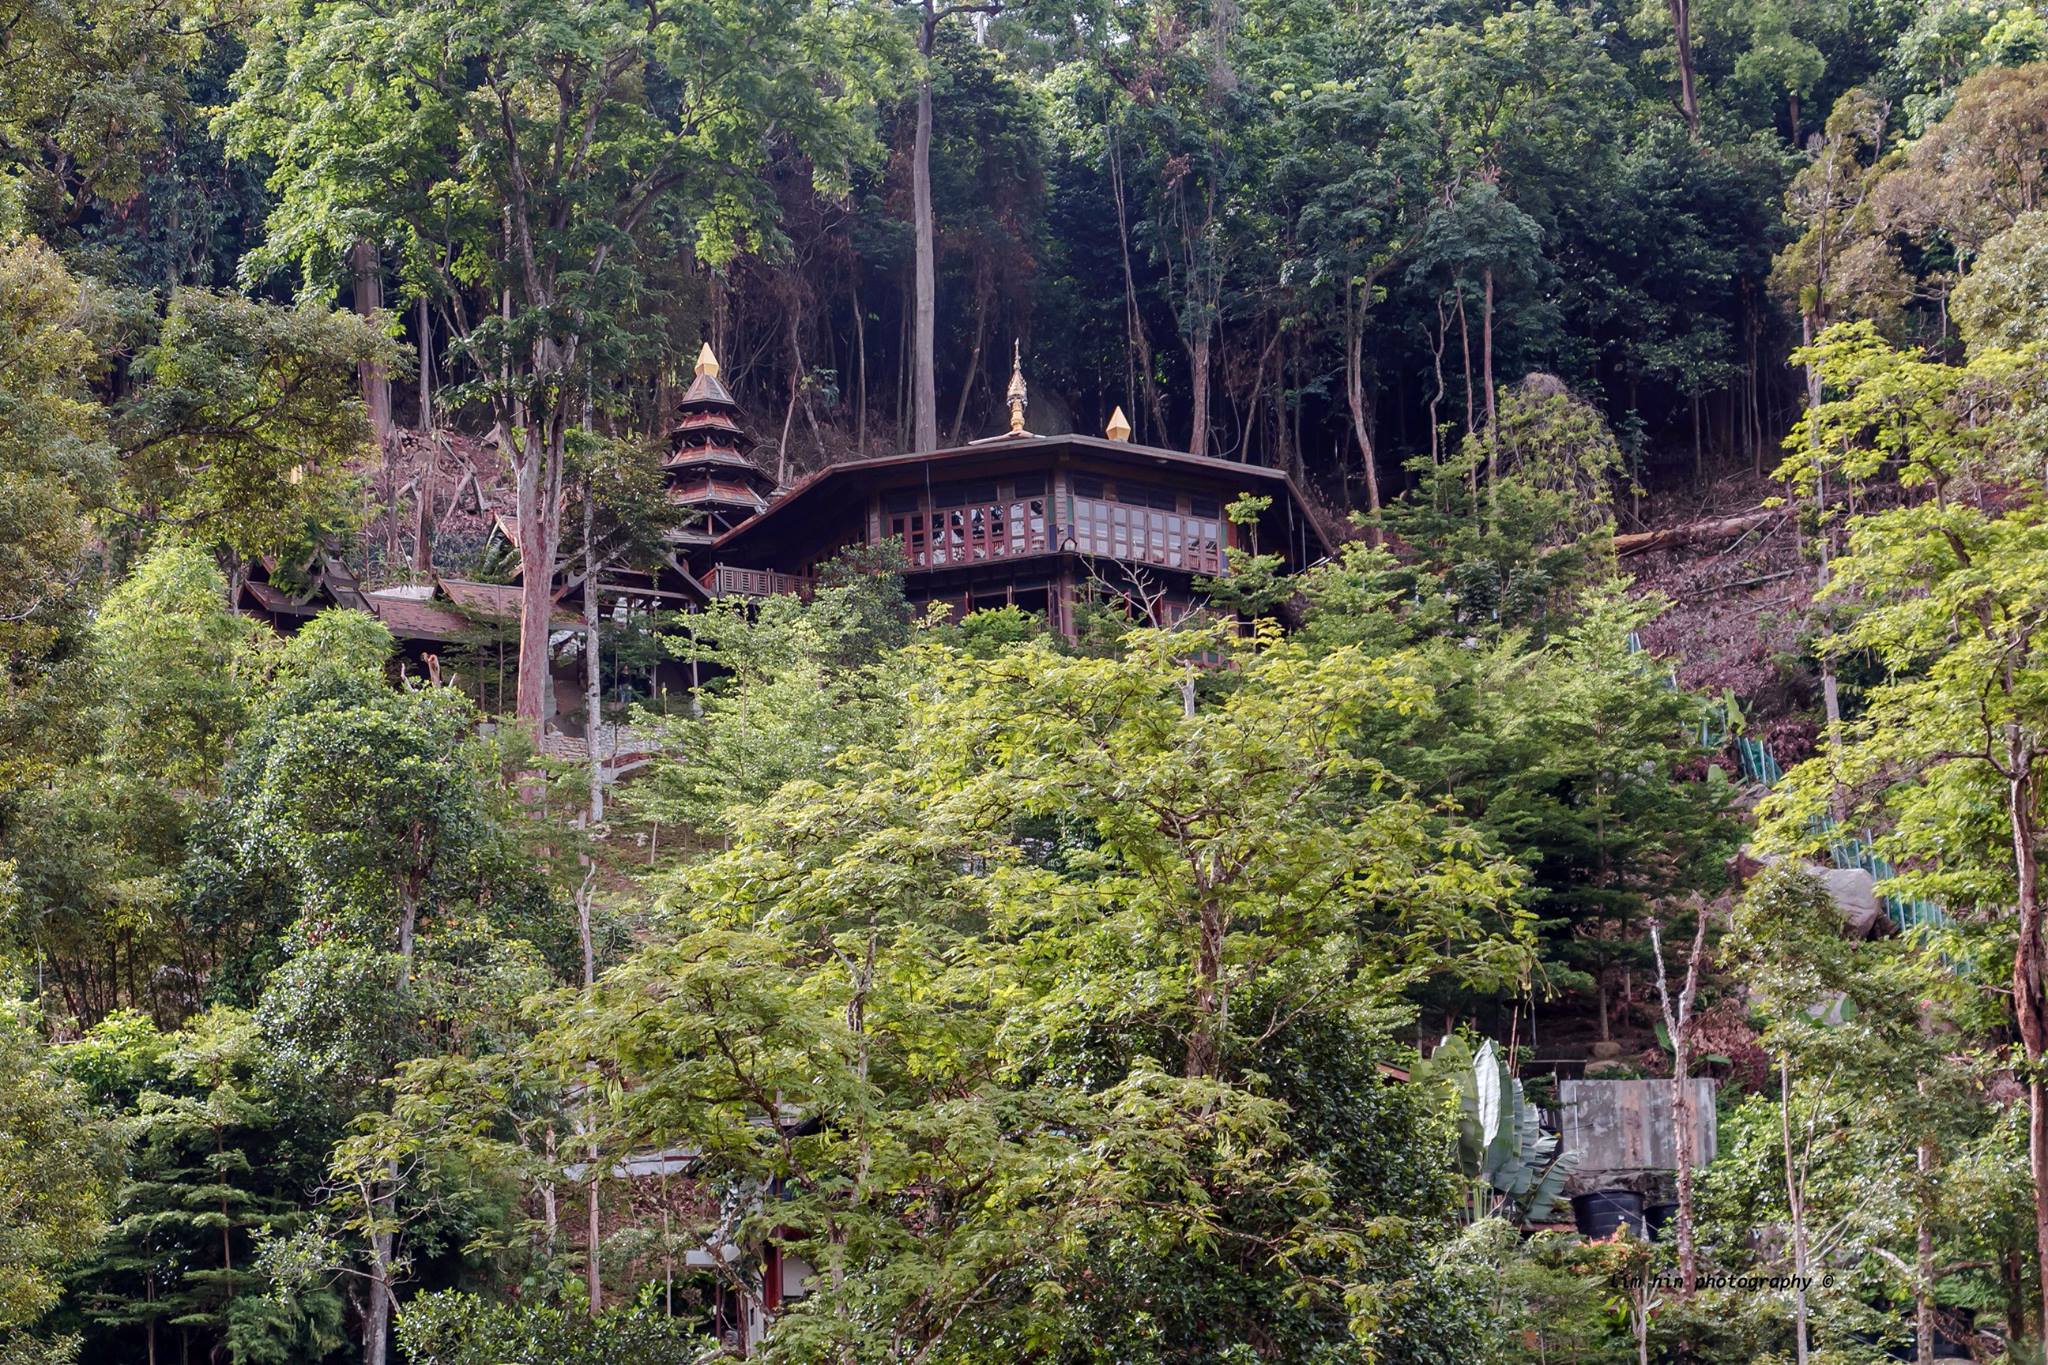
(955, 986)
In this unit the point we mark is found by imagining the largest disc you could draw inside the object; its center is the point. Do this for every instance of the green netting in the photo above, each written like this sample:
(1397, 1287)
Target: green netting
(1760, 765)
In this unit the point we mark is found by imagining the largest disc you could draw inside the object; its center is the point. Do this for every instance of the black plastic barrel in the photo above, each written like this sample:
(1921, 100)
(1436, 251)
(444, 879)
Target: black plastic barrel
(1598, 1214)
(1657, 1218)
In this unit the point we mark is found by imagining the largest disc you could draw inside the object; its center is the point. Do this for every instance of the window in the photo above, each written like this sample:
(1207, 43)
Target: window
(1146, 495)
(963, 492)
(1028, 486)
(953, 531)
(1148, 535)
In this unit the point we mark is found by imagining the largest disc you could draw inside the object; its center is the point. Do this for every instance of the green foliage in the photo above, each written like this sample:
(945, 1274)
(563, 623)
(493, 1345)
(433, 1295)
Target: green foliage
(244, 432)
(338, 640)
(1502, 1151)
(1022, 950)
(805, 682)
(1033, 995)
(1509, 532)
(90, 87)
(176, 671)
(217, 1158)
(1998, 304)
(55, 464)
(54, 1176)
(452, 1328)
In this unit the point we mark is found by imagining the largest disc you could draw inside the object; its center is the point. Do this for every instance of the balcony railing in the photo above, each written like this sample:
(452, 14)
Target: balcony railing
(729, 580)
(941, 537)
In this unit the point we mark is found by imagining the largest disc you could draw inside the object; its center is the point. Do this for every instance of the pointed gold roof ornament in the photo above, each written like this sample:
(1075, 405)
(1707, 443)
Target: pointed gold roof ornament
(1016, 393)
(1119, 428)
(707, 363)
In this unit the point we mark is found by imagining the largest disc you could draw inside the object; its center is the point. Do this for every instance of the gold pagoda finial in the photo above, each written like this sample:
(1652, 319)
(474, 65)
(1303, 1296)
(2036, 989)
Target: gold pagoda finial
(1016, 392)
(707, 363)
(1119, 428)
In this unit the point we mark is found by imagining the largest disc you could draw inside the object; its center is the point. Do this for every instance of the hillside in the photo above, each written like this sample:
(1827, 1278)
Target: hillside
(1211, 682)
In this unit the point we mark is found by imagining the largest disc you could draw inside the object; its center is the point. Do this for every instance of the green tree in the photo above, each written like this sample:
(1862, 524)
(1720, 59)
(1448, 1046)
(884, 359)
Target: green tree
(523, 170)
(463, 1329)
(215, 1160)
(55, 1181)
(805, 683)
(246, 427)
(90, 87)
(1998, 304)
(55, 466)
(167, 674)
(1087, 960)
(1949, 751)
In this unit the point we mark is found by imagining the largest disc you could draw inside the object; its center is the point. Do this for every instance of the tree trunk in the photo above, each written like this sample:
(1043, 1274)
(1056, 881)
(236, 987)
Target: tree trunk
(860, 361)
(1699, 464)
(2012, 1277)
(1795, 1203)
(426, 367)
(593, 1265)
(1465, 342)
(1492, 413)
(1923, 1257)
(377, 1315)
(367, 272)
(1830, 692)
(593, 679)
(1678, 1023)
(983, 286)
(408, 922)
(1205, 1044)
(1354, 393)
(539, 478)
(2028, 966)
(1140, 341)
(1714, 528)
(1436, 401)
(1688, 97)
(1198, 393)
(924, 400)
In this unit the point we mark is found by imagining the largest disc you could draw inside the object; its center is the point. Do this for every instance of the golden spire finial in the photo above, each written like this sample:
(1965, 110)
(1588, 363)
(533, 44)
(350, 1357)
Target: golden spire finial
(707, 363)
(1119, 428)
(1016, 392)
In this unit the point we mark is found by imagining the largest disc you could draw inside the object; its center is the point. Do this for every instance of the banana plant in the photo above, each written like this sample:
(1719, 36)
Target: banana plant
(1511, 1166)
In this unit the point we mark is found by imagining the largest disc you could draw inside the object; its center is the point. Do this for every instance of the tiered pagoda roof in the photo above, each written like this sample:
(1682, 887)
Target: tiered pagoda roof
(707, 468)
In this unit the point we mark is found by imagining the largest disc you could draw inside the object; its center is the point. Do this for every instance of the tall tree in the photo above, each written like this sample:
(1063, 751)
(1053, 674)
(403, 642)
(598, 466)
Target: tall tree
(55, 1181)
(1950, 599)
(523, 161)
(924, 394)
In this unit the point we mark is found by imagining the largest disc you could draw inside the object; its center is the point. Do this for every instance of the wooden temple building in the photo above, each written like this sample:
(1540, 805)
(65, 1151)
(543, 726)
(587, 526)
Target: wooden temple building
(1039, 522)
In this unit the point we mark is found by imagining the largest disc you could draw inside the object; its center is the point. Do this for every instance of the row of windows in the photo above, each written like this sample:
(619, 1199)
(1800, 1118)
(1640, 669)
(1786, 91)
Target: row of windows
(986, 492)
(1115, 531)
(966, 535)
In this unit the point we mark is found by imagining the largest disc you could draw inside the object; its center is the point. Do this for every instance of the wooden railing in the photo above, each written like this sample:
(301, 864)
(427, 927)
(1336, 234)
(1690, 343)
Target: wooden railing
(619, 748)
(729, 580)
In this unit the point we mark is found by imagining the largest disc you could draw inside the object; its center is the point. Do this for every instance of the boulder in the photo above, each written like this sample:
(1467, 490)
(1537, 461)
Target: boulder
(1853, 891)
(1605, 1051)
(1607, 1067)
